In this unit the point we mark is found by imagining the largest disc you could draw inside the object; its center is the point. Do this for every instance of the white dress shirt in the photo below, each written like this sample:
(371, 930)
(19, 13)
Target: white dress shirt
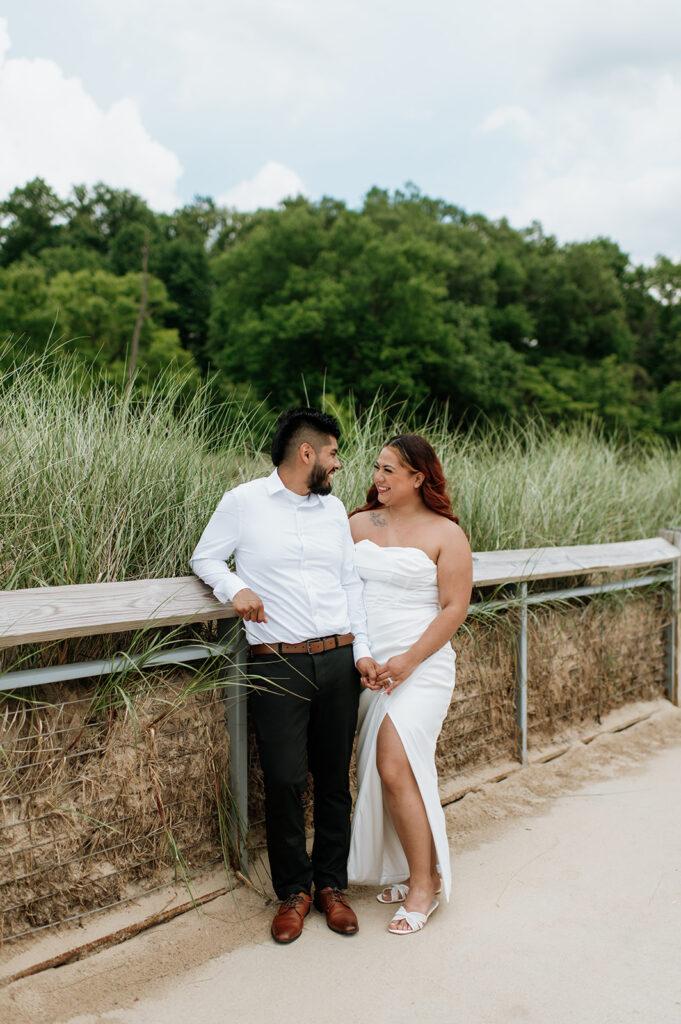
(295, 552)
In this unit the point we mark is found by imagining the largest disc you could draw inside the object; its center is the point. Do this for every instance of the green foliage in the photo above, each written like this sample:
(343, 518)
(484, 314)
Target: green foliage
(578, 303)
(357, 302)
(29, 221)
(409, 298)
(25, 311)
(94, 314)
(182, 264)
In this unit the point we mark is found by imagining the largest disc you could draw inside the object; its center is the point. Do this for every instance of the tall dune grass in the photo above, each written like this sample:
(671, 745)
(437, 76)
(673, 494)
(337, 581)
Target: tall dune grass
(99, 485)
(532, 485)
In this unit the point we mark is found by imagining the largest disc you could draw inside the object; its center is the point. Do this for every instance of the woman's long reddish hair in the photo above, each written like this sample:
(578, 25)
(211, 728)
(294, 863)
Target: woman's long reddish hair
(418, 455)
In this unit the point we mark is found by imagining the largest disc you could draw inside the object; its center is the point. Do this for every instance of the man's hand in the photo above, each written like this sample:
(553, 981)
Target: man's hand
(248, 606)
(368, 670)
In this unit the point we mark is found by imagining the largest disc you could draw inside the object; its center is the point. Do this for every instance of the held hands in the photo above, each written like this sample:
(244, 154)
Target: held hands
(394, 672)
(249, 606)
(368, 670)
(385, 677)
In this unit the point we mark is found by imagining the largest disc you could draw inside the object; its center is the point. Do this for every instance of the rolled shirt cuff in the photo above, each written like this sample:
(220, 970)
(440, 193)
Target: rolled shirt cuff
(228, 588)
(361, 649)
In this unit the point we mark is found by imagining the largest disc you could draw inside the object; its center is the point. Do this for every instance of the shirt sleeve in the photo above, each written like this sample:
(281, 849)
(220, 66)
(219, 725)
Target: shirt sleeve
(218, 542)
(354, 592)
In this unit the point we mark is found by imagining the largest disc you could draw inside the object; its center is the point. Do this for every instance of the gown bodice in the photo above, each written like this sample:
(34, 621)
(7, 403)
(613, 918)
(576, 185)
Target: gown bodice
(400, 594)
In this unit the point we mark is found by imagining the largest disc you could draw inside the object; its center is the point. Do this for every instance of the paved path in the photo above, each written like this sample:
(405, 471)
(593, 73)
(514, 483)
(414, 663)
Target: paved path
(566, 908)
(574, 915)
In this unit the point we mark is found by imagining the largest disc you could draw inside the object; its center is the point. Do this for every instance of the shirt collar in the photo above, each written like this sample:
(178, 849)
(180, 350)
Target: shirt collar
(275, 484)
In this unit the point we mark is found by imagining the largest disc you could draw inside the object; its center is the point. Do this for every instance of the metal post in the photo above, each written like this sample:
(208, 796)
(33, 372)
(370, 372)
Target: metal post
(236, 708)
(672, 640)
(521, 677)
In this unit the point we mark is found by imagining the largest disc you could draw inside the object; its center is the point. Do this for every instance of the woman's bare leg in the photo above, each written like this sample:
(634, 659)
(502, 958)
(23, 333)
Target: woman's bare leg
(408, 813)
(433, 871)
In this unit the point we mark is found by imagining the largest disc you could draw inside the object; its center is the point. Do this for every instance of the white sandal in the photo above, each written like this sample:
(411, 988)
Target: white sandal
(415, 920)
(399, 892)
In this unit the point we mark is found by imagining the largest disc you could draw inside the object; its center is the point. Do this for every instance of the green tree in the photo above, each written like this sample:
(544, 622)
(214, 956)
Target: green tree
(663, 282)
(355, 302)
(577, 303)
(26, 315)
(96, 216)
(30, 220)
(92, 314)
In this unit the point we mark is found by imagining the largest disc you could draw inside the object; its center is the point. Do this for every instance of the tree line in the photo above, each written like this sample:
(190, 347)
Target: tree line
(409, 297)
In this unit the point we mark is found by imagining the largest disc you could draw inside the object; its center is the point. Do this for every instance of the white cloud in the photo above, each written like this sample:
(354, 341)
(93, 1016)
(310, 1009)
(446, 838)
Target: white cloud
(51, 128)
(267, 188)
(515, 119)
(603, 160)
(578, 100)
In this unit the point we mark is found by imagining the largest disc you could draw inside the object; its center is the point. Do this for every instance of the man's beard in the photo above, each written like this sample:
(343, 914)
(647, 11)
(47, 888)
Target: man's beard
(318, 480)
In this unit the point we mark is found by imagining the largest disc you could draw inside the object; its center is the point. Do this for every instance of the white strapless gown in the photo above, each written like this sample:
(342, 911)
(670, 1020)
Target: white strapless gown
(401, 599)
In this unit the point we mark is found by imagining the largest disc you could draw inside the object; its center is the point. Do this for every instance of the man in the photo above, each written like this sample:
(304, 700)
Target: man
(300, 597)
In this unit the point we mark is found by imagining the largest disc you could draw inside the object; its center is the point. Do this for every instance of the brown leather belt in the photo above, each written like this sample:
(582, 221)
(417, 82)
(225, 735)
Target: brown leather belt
(316, 646)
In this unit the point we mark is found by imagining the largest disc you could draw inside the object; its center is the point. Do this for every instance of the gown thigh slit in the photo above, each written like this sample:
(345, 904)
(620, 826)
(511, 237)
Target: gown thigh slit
(401, 598)
(386, 717)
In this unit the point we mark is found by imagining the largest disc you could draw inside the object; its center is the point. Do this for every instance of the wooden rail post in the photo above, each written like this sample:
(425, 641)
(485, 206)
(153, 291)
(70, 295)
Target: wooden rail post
(672, 646)
(236, 715)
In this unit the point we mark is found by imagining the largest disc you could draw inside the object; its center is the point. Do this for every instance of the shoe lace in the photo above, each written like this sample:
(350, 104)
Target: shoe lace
(336, 896)
(293, 901)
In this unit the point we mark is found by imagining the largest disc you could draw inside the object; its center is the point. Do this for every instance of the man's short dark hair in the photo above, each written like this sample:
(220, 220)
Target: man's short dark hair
(298, 425)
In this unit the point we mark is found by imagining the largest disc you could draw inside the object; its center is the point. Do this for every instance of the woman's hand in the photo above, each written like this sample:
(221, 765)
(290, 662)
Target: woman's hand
(395, 671)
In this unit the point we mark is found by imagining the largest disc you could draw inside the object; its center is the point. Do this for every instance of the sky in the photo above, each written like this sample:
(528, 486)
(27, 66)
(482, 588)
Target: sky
(565, 112)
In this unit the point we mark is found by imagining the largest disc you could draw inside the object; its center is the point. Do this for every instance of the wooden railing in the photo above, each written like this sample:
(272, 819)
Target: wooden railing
(42, 614)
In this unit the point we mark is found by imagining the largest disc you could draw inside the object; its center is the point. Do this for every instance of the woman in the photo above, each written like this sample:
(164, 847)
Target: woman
(417, 570)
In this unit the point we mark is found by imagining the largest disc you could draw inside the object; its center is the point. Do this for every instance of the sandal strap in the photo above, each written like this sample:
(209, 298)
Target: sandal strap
(399, 891)
(414, 918)
(395, 893)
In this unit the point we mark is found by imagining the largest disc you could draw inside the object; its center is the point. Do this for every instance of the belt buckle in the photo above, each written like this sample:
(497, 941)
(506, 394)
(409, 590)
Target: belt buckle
(333, 642)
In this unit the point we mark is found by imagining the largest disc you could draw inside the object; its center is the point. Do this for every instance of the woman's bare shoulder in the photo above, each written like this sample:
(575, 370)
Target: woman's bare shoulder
(451, 537)
(360, 525)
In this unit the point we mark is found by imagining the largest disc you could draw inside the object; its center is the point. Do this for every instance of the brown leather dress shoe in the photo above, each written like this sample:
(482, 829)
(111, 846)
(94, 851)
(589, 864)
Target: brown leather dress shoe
(340, 916)
(288, 920)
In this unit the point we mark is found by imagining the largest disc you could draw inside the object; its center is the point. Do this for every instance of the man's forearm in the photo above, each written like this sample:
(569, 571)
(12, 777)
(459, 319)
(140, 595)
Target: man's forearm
(224, 584)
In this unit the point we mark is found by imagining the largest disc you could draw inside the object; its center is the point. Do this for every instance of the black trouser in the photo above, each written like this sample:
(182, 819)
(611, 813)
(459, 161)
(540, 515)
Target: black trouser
(304, 710)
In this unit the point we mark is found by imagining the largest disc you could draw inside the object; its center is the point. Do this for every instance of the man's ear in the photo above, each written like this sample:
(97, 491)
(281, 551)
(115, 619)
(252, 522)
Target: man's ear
(306, 453)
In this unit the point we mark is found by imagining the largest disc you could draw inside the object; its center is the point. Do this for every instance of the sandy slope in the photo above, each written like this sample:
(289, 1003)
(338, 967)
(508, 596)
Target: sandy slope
(566, 907)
